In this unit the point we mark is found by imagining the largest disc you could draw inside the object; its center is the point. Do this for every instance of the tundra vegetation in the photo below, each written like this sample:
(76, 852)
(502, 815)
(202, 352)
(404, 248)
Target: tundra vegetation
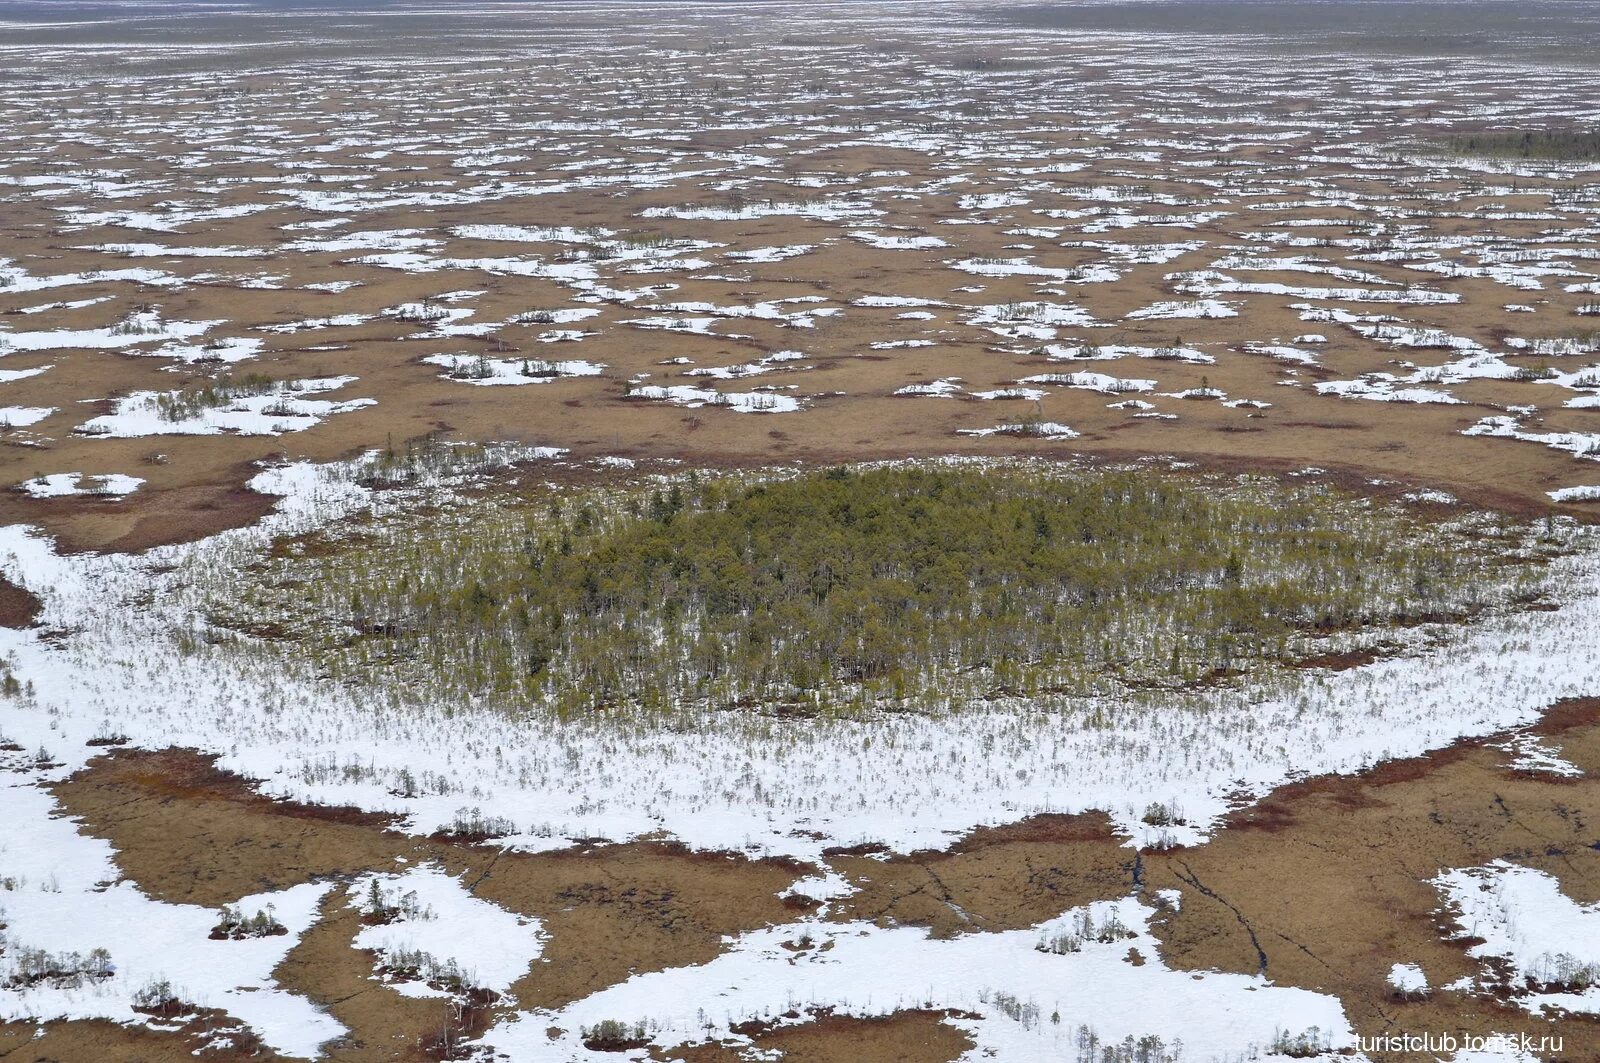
(923, 586)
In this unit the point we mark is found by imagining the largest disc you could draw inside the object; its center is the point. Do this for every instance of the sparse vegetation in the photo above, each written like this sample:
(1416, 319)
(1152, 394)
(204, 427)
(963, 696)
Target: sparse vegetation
(575, 741)
(381, 906)
(191, 402)
(159, 998)
(1306, 1044)
(1164, 814)
(469, 368)
(1085, 929)
(470, 824)
(1149, 1049)
(1563, 973)
(415, 965)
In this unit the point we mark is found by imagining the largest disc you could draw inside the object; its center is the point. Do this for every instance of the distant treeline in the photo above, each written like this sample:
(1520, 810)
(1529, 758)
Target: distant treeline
(1567, 145)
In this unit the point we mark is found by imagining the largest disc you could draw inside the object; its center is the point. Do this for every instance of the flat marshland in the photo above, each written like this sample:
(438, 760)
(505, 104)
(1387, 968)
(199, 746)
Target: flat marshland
(709, 532)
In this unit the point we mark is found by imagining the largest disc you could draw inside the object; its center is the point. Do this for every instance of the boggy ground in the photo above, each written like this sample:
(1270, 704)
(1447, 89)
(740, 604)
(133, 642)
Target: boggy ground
(941, 196)
(1096, 174)
(1321, 885)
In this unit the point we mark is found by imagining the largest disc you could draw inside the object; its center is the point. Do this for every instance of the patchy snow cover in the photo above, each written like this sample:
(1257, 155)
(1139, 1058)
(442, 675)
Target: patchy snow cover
(1029, 394)
(1509, 426)
(776, 360)
(1212, 283)
(16, 279)
(739, 402)
(991, 201)
(1029, 1002)
(270, 413)
(764, 310)
(1113, 351)
(1530, 754)
(225, 350)
(132, 331)
(434, 913)
(1031, 320)
(761, 785)
(173, 218)
(899, 300)
(1586, 493)
(943, 388)
(65, 895)
(560, 316)
(1398, 335)
(757, 255)
(166, 251)
(559, 780)
(1380, 387)
(820, 210)
(23, 416)
(885, 780)
(1549, 943)
(1284, 353)
(481, 369)
(70, 304)
(1198, 308)
(1021, 267)
(1297, 264)
(66, 484)
(1408, 979)
(1141, 254)
(890, 242)
(560, 234)
(335, 321)
(1025, 429)
(695, 326)
(1101, 382)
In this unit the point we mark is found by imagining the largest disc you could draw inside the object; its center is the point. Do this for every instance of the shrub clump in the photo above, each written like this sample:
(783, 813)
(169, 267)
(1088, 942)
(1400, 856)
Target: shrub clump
(234, 925)
(614, 1035)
